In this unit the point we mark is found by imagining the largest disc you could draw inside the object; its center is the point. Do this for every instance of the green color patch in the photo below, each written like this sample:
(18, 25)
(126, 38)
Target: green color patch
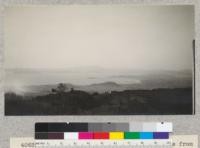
(131, 135)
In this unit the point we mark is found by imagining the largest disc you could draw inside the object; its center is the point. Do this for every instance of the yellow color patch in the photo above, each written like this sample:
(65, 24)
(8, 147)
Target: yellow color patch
(116, 135)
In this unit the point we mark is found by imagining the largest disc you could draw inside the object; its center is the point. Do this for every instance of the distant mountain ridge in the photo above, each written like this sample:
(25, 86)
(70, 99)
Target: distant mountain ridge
(97, 82)
(106, 87)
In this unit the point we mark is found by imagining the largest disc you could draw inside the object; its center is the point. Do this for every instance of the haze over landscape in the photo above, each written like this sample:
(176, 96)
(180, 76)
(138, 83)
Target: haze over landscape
(94, 80)
(111, 56)
(49, 46)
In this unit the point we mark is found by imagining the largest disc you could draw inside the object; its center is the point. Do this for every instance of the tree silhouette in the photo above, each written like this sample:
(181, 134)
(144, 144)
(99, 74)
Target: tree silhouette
(61, 88)
(53, 90)
(72, 89)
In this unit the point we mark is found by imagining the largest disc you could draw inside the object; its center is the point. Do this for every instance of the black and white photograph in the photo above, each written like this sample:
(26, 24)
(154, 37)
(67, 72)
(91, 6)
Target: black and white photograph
(99, 60)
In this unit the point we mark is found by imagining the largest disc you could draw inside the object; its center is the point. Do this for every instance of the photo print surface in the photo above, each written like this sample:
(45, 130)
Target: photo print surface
(99, 60)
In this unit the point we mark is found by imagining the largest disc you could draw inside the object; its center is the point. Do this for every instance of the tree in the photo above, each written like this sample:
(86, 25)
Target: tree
(61, 88)
(72, 89)
(53, 90)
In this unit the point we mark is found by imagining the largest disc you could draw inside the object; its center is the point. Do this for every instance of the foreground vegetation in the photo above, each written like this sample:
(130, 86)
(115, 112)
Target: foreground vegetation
(76, 102)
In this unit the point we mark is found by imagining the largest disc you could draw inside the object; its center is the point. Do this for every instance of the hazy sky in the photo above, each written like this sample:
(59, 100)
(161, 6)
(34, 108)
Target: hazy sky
(112, 36)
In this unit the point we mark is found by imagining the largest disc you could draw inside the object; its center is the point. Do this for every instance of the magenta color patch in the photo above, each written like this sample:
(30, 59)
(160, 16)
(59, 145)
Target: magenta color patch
(85, 135)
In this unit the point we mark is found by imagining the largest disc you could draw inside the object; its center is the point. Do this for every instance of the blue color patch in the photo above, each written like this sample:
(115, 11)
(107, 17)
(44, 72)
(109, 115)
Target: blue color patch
(146, 135)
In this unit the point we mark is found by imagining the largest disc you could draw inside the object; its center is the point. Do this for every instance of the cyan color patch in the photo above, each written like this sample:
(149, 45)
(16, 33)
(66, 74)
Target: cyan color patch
(146, 135)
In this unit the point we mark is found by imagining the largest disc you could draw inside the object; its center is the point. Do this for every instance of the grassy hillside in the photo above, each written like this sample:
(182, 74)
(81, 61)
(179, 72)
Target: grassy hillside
(127, 102)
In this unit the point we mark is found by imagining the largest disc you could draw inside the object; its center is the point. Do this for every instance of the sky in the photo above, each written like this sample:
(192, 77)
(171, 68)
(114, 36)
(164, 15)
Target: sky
(107, 36)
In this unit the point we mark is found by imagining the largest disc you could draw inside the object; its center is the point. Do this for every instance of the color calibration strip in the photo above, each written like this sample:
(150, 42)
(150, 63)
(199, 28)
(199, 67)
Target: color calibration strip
(102, 135)
(101, 127)
(111, 131)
